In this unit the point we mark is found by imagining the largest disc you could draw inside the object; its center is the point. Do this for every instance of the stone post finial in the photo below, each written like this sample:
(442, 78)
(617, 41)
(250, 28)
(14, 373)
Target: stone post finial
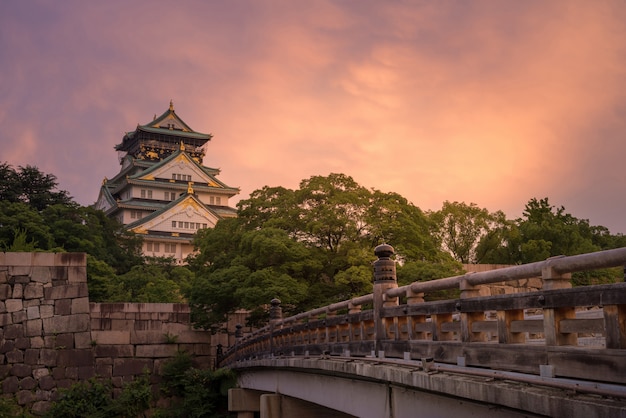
(276, 312)
(238, 331)
(384, 267)
(384, 279)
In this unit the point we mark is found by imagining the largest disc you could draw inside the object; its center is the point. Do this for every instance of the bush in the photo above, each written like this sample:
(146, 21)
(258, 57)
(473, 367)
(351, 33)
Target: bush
(94, 399)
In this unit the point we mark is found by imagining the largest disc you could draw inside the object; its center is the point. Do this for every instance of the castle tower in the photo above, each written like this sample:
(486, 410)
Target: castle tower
(163, 191)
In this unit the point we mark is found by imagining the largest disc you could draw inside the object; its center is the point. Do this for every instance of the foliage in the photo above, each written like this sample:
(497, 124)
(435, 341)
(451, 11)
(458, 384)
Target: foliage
(198, 393)
(307, 247)
(94, 399)
(459, 227)
(90, 399)
(543, 231)
(10, 408)
(30, 186)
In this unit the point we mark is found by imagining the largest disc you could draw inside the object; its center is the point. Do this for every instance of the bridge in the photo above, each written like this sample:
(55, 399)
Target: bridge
(558, 352)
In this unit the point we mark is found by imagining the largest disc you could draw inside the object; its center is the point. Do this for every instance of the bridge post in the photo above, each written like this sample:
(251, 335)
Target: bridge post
(276, 315)
(384, 279)
(553, 280)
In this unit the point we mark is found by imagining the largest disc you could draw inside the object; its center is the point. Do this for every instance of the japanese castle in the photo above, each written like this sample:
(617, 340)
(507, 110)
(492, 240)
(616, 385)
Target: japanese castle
(163, 191)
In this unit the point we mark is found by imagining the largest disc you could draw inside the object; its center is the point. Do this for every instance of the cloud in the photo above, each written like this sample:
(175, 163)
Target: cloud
(485, 102)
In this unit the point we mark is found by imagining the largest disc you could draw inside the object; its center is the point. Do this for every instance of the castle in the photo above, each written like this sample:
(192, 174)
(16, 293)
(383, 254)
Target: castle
(163, 191)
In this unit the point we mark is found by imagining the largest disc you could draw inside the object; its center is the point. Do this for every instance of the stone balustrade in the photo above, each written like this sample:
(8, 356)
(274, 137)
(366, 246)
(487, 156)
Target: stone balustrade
(556, 331)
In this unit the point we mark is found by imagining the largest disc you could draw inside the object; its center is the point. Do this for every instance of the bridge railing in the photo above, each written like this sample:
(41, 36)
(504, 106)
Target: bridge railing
(557, 331)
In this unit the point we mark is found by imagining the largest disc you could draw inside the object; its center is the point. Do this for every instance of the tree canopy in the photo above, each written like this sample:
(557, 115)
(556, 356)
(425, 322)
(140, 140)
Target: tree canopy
(308, 247)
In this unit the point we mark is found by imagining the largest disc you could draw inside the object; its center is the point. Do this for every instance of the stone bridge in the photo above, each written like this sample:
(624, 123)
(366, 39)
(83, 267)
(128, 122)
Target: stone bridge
(559, 351)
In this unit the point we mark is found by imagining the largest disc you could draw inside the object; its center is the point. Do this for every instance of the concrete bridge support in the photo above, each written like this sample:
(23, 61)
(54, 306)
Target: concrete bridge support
(273, 405)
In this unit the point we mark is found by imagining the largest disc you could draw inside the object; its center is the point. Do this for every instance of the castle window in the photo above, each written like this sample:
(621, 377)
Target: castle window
(170, 248)
(187, 225)
(204, 225)
(173, 224)
(180, 224)
(153, 247)
(218, 200)
(143, 193)
(211, 200)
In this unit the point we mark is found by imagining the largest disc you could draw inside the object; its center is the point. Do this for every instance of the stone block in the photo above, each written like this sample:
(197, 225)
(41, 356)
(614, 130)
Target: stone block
(22, 343)
(48, 357)
(58, 373)
(83, 340)
(14, 305)
(41, 372)
(28, 383)
(66, 323)
(43, 259)
(5, 369)
(6, 346)
(6, 319)
(105, 371)
(148, 325)
(156, 350)
(80, 305)
(63, 307)
(175, 328)
(32, 312)
(197, 337)
(46, 311)
(65, 383)
(18, 259)
(111, 337)
(70, 259)
(60, 274)
(71, 372)
(64, 341)
(47, 383)
(4, 277)
(131, 366)
(6, 292)
(147, 337)
(86, 372)
(41, 274)
(36, 342)
(75, 357)
(31, 356)
(3, 307)
(15, 356)
(19, 317)
(33, 328)
(77, 274)
(33, 291)
(40, 408)
(21, 370)
(121, 325)
(10, 385)
(69, 291)
(101, 324)
(15, 279)
(24, 397)
(31, 302)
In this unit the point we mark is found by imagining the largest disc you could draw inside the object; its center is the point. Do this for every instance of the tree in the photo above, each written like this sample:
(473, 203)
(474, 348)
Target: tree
(308, 247)
(460, 227)
(30, 186)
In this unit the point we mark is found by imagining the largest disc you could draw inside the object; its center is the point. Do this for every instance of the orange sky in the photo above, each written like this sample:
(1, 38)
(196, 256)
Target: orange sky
(486, 102)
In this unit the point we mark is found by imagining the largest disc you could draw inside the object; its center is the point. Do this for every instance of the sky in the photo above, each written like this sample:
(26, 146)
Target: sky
(491, 102)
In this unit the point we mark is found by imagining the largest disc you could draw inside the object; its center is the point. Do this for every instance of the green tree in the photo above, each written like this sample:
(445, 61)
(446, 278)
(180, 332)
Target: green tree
(460, 227)
(307, 247)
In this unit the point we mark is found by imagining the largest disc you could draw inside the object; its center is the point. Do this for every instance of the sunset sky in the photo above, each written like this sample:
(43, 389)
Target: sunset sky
(487, 102)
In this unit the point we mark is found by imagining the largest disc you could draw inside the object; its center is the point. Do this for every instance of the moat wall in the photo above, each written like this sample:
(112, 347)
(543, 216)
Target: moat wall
(51, 336)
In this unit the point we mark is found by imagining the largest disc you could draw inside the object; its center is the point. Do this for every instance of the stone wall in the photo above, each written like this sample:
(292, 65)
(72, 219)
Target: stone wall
(51, 336)
(504, 288)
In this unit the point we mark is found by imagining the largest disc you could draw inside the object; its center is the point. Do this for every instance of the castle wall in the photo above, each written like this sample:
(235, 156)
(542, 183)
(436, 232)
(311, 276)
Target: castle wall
(51, 336)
